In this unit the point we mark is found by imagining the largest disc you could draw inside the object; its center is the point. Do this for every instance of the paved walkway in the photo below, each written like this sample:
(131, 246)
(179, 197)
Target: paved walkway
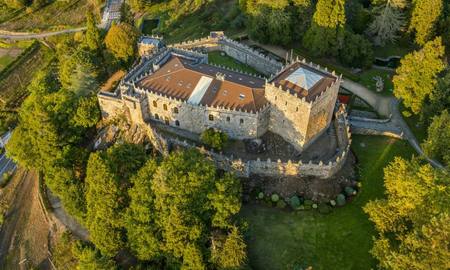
(385, 106)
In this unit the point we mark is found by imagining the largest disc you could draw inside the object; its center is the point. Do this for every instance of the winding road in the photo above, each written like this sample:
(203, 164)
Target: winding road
(22, 35)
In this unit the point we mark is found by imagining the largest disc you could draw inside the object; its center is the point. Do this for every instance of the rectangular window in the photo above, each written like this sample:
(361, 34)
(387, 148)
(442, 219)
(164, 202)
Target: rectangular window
(241, 121)
(211, 117)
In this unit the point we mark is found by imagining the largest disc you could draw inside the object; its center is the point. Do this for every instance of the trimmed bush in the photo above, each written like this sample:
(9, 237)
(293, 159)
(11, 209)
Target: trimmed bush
(275, 198)
(340, 200)
(314, 206)
(333, 203)
(294, 201)
(301, 207)
(281, 204)
(349, 191)
(261, 195)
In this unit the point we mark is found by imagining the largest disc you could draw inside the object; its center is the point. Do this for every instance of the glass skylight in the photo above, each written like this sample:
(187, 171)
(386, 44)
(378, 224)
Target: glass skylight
(304, 78)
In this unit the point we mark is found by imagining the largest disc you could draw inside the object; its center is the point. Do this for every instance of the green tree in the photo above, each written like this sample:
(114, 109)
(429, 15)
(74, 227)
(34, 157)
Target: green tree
(142, 231)
(357, 51)
(411, 221)
(107, 181)
(121, 41)
(425, 15)
(225, 200)
(80, 72)
(229, 252)
(439, 99)
(90, 259)
(214, 138)
(326, 34)
(389, 19)
(93, 39)
(437, 144)
(417, 75)
(88, 113)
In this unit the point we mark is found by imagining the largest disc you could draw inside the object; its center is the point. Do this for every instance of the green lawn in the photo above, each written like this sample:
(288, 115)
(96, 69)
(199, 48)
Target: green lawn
(217, 59)
(5, 60)
(280, 239)
(366, 78)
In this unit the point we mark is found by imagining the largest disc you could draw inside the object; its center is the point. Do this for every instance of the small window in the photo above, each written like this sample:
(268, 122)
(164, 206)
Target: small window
(241, 96)
(155, 104)
(156, 116)
(228, 119)
(285, 103)
(175, 110)
(165, 107)
(241, 121)
(296, 109)
(275, 97)
(166, 121)
(211, 117)
(177, 123)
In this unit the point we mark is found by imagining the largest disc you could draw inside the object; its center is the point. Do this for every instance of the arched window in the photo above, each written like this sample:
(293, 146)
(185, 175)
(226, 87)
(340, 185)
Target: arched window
(296, 109)
(211, 117)
(175, 110)
(228, 119)
(177, 123)
(241, 121)
(156, 116)
(155, 104)
(165, 107)
(285, 103)
(166, 121)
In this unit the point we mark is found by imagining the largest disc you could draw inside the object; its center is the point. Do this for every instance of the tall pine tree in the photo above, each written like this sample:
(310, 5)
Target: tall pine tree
(326, 34)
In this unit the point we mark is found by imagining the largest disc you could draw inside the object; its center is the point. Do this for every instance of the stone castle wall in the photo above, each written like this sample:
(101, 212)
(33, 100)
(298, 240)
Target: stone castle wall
(236, 50)
(281, 169)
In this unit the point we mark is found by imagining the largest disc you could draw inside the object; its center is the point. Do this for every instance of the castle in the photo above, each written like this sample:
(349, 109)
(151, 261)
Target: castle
(177, 86)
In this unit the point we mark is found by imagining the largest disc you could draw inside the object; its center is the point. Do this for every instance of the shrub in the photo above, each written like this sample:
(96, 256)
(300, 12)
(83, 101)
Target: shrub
(349, 191)
(314, 206)
(275, 198)
(281, 204)
(294, 201)
(214, 138)
(340, 200)
(333, 203)
(261, 195)
(6, 177)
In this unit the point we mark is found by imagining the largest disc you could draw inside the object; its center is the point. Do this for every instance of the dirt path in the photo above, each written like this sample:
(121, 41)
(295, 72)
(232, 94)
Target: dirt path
(24, 236)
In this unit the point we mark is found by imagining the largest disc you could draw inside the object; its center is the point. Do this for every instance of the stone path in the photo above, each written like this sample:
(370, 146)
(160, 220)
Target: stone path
(385, 106)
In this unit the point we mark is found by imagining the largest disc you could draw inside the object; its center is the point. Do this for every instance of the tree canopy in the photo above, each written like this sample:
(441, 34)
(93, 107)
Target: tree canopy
(121, 41)
(424, 19)
(389, 19)
(326, 34)
(412, 222)
(437, 143)
(417, 75)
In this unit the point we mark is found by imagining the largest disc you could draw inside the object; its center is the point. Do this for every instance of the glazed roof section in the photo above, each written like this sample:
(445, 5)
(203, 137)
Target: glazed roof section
(304, 80)
(207, 85)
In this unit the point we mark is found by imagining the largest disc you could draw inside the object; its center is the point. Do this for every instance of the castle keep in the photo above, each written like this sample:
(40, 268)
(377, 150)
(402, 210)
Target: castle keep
(179, 88)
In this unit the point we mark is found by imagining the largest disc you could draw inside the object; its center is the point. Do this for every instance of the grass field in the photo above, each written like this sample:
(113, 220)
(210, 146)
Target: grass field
(217, 59)
(366, 79)
(280, 239)
(54, 16)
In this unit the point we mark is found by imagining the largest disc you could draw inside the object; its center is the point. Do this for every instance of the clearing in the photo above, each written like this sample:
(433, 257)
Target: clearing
(281, 239)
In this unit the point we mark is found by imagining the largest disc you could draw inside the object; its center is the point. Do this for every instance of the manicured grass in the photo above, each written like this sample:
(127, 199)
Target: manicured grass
(225, 60)
(366, 79)
(399, 49)
(280, 239)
